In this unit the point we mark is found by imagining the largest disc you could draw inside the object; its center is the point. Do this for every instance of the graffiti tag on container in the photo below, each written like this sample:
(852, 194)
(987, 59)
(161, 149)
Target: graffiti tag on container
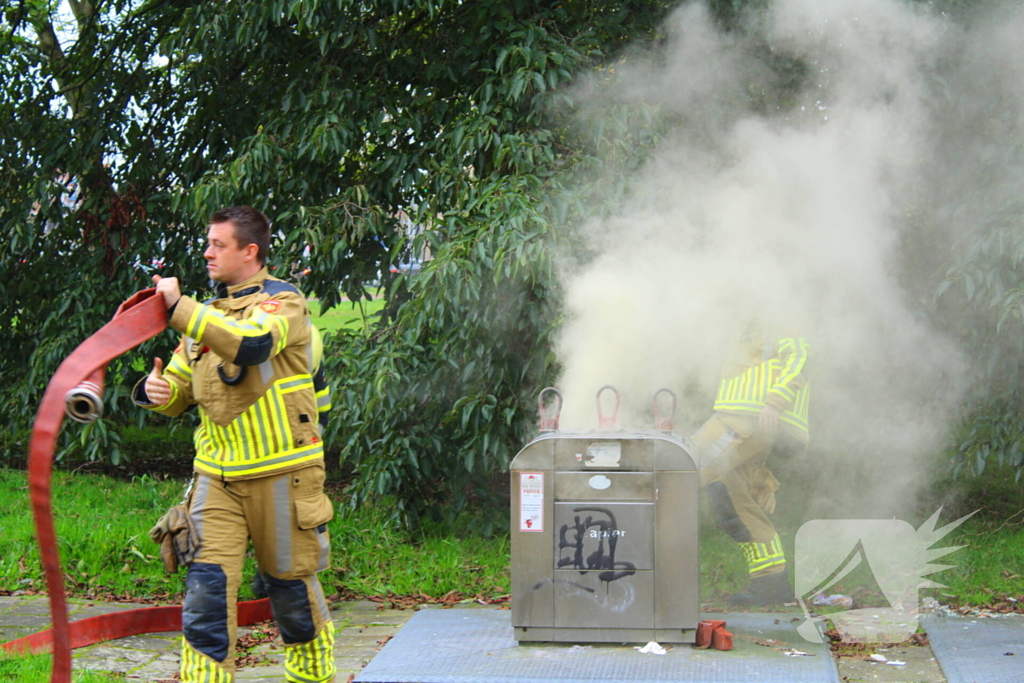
(602, 527)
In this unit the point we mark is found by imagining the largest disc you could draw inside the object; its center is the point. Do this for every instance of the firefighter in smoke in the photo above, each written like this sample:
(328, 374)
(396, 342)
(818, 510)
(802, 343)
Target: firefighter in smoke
(760, 410)
(248, 359)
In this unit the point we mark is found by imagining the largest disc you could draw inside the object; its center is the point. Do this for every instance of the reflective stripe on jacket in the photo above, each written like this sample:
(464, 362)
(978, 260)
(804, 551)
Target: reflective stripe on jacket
(245, 361)
(772, 374)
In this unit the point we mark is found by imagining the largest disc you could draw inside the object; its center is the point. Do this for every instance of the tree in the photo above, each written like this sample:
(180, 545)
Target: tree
(980, 289)
(336, 119)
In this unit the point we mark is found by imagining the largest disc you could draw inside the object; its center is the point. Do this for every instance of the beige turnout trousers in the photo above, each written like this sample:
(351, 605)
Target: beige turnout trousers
(740, 488)
(286, 518)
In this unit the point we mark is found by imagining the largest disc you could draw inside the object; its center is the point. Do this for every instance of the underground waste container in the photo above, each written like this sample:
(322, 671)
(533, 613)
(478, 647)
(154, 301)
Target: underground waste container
(605, 534)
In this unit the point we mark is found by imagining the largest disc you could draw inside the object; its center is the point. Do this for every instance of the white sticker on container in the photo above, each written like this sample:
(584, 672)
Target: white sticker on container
(600, 482)
(531, 501)
(606, 454)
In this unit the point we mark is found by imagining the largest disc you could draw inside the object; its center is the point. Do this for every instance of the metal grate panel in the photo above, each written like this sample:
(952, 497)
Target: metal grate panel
(975, 650)
(477, 646)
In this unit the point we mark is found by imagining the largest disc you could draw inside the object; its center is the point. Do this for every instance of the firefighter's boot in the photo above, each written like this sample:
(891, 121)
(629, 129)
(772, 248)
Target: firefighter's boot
(772, 589)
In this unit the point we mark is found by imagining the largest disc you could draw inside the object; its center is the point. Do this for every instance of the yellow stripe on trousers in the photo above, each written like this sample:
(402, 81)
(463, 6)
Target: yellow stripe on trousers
(198, 668)
(761, 556)
(312, 662)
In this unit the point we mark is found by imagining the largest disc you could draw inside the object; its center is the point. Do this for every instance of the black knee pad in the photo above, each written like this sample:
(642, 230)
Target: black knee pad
(292, 611)
(721, 505)
(204, 616)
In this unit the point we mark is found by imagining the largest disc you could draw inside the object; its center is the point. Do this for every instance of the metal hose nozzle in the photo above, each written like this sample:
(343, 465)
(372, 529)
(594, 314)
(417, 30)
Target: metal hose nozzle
(84, 403)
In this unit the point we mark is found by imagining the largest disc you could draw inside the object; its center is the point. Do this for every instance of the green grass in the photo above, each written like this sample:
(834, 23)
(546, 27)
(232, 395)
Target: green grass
(102, 526)
(990, 566)
(722, 569)
(353, 315)
(989, 569)
(36, 669)
(378, 559)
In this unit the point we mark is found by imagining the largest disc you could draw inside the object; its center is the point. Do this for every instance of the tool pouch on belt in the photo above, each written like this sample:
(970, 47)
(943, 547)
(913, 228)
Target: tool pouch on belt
(763, 487)
(177, 538)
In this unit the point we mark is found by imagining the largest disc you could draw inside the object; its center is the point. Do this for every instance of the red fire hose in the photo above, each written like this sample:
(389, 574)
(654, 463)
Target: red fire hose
(141, 317)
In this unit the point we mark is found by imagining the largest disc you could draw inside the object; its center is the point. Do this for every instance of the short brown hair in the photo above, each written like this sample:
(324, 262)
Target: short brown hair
(251, 227)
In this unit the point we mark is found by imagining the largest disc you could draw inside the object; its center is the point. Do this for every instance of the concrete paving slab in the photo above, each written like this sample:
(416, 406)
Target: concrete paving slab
(33, 611)
(7, 602)
(365, 643)
(351, 663)
(478, 646)
(93, 609)
(163, 667)
(13, 633)
(919, 666)
(364, 621)
(978, 650)
(269, 672)
(34, 622)
(373, 631)
(149, 642)
(37, 605)
(111, 658)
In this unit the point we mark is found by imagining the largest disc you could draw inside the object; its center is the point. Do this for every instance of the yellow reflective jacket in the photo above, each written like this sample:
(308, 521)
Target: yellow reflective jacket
(246, 359)
(771, 369)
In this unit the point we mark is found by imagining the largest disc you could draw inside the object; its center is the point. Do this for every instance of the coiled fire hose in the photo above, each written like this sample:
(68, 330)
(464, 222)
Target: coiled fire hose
(77, 388)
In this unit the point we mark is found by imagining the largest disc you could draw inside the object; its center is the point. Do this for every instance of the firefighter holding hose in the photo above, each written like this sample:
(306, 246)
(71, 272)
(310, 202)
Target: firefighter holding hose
(249, 359)
(760, 411)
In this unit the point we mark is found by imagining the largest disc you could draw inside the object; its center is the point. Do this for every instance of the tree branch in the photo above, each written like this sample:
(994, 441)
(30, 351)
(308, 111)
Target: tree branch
(48, 42)
(50, 46)
(83, 11)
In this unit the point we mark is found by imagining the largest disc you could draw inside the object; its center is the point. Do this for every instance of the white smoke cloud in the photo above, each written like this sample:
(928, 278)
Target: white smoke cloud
(794, 211)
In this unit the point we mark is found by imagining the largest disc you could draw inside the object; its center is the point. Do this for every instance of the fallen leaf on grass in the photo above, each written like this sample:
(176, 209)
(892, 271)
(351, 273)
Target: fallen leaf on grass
(263, 632)
(450, 599)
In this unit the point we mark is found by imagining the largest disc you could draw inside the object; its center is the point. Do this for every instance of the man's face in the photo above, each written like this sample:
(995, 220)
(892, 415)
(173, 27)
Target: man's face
(225, 261)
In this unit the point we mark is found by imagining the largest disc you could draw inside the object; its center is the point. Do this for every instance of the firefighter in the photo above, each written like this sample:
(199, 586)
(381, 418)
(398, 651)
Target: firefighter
(760, 411)
(246, 358)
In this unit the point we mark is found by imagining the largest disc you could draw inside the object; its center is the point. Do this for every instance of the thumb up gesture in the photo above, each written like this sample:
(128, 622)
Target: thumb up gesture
(157, 388)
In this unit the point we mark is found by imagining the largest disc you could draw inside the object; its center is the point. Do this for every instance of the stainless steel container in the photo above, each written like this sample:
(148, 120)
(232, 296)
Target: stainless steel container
(605, 536)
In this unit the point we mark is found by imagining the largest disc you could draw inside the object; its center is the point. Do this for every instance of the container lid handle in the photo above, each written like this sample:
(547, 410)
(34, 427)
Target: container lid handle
(607, 423)
(664, 423)
(549, 418)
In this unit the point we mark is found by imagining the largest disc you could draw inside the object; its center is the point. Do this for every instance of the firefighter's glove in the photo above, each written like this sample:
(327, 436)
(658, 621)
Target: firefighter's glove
(177, 538)
(763, 487)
